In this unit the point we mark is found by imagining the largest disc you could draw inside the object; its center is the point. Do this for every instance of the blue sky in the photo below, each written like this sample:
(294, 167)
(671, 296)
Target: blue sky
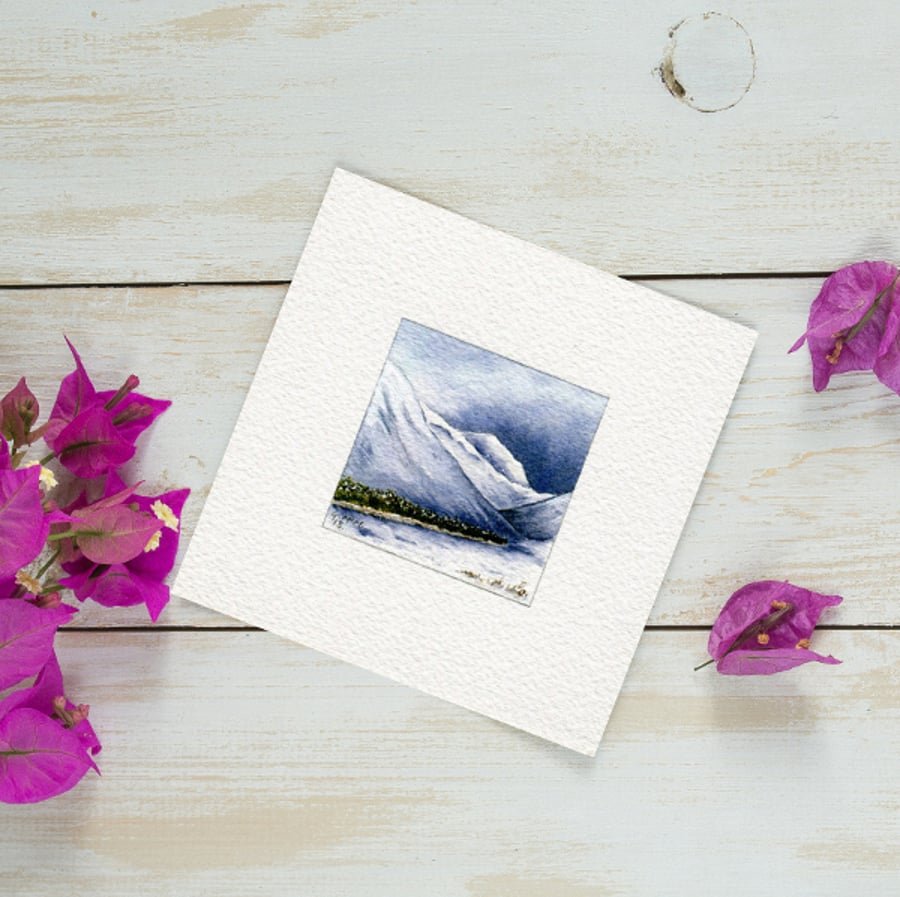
(547, 423)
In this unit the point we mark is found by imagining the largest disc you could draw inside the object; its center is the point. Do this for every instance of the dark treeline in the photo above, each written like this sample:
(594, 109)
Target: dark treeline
(390, 502)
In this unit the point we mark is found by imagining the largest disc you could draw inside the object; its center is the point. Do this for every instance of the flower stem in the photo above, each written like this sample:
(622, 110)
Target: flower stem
(706, 664)
(55, 537)
(49, 563)
(872, 309)
(47, 458)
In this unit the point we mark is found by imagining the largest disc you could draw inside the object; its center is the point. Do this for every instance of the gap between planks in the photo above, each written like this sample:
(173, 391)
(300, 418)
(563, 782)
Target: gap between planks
(165, 284)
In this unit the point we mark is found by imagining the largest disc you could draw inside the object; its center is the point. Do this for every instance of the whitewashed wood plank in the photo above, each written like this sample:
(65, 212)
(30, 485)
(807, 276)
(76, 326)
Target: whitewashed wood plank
(168, 141)
(801, 485)
(237, 763)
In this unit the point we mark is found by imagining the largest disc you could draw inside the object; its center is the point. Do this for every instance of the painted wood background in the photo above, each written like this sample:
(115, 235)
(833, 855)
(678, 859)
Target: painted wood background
(192, 140)
(160, 165)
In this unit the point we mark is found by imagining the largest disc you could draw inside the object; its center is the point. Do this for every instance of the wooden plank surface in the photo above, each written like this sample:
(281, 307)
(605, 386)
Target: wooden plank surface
(799, 486)
(172, 142)
(303, 775)
(192, 141)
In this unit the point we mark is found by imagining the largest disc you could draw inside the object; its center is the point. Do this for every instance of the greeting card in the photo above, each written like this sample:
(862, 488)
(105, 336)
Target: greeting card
(464, 462)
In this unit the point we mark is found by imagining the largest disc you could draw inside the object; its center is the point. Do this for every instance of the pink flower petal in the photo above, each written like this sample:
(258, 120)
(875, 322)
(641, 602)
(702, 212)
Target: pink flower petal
(39, 759)
(89, 445)
(76, 392)
(19, 410)
(748, 605)
(844, 300)
(26, 638)
(119, 586)
(47, 687)
(765, 661)
(80, 579)
(134, 413)
(111, 497)
(157, 564)
(753, 603)
(765, 626)
(40, 695)
(138, 580)
(23, 529)
(155, 595)
(115, 587)
(113, 535)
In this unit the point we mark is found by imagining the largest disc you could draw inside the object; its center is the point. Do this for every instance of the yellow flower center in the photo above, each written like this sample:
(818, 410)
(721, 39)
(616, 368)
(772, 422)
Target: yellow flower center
(48, 480)
(763, 638)
(30, 583)
(152, 542)
(165, 513)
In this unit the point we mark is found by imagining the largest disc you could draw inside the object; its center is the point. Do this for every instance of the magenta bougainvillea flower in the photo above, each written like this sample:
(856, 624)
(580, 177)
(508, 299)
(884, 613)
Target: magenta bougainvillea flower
(765, 627)
(848, 322)
(39, 758)
(93, 432)
(19, 410)
(47, 695)
(113, 534)
(46, 742)
(89, 445)
(117, 549)
(137, 579)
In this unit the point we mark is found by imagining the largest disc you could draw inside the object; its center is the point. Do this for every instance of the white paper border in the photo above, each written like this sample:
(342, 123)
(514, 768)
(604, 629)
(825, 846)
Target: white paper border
(261, 554)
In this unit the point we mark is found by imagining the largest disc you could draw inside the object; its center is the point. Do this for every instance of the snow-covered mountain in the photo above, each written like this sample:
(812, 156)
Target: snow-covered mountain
(499, 456)
(540, 520)
(406, 446)
(495, 473)
(396, 448)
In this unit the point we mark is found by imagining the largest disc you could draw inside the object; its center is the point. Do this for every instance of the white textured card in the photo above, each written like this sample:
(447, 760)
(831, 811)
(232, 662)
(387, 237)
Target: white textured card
(464, 462)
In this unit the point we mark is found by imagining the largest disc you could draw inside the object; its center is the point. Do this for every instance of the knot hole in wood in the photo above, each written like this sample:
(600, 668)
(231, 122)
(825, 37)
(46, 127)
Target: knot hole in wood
(709, 62)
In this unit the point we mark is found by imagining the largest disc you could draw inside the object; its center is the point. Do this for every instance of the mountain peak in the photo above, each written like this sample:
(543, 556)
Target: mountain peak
(495, 473)
(396, 448)
(405, 445)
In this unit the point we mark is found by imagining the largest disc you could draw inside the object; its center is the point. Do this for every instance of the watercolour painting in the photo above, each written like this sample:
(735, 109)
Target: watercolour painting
(465, 461)
(416, 476)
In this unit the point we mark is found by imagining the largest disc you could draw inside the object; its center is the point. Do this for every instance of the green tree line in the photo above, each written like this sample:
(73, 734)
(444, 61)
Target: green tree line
(386, 500)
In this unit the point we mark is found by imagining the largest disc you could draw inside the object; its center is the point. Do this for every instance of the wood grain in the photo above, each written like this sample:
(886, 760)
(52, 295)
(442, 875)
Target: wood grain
(295, 773)
(192, 141)
(797, 488)
(173, 143)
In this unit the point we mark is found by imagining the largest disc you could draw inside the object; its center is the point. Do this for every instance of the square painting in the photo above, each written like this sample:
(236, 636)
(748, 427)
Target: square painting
(428, 469)
(465, 461)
